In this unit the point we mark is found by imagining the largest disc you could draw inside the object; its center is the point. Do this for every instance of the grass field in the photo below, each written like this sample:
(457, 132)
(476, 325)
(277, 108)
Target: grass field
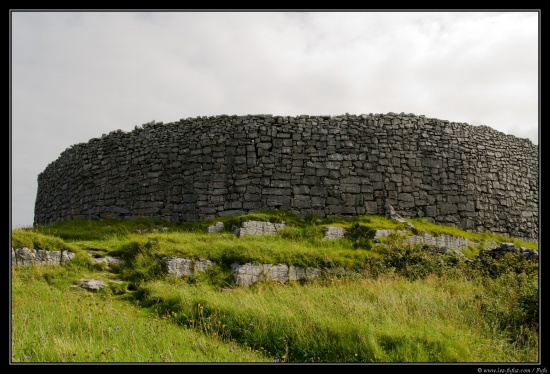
(378, 301)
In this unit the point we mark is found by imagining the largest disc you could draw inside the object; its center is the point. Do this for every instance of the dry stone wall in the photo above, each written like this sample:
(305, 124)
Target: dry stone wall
(472, 177)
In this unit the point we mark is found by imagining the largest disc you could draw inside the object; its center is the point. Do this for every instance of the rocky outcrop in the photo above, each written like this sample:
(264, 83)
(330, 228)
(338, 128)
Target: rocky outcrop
(26, 256)
(440, 241)
(259, 228)
(109, 261)
(503, 248)
(218, 227)
(89, 284)
(384, 233)
(244, 275)
(391, 213)
(182, 267)
(333, 233)
(248, 274)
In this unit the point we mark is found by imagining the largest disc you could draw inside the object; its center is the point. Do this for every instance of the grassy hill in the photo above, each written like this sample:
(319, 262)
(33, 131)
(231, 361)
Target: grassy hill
(380, 300)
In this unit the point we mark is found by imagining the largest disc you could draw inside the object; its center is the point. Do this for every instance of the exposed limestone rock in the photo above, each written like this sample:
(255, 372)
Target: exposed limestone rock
(259, 228)
(202, 264)
(248, 274)
(440, 241)
(298, 273)
(182, 267)
(89, 284)
(503, 248)
(25, 256)
(333, 233)
(218, 227)
(110, 261)
(529, 253)
(385, 233)
(179, 267)
(391, 213)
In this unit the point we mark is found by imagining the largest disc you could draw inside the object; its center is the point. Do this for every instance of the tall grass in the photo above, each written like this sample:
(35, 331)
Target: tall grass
(52, 322)
(387, 302)
(390, 319)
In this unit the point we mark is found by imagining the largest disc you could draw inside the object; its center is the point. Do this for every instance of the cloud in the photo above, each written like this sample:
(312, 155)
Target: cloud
(77, 75)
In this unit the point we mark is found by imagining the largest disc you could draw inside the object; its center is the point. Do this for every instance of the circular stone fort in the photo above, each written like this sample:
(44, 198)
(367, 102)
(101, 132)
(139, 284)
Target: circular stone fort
(471, 177)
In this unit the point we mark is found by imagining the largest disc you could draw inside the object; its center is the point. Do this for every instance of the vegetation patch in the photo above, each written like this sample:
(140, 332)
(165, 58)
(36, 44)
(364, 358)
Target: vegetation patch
(389, 302)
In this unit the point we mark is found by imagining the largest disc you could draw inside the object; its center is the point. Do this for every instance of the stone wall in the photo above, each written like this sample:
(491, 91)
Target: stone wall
(472, 177)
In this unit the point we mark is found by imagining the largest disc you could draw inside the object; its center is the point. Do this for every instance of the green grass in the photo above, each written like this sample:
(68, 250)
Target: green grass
(26, 238)
(389, 319)
(387, 302)
(55, 323)
(421, 226)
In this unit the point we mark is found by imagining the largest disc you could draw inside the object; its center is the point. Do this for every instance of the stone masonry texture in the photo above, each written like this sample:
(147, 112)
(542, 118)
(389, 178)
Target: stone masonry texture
(472, 177)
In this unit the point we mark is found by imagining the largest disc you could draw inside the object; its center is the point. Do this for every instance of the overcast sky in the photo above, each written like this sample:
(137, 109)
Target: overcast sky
(78, 75)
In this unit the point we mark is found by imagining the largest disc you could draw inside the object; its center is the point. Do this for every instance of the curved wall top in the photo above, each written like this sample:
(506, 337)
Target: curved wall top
(472, 177)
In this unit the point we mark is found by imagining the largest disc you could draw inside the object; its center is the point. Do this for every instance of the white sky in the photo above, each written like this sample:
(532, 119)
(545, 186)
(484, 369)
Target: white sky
(77, 75)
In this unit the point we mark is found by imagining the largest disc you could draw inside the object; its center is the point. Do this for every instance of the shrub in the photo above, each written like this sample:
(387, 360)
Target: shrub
(360, 236)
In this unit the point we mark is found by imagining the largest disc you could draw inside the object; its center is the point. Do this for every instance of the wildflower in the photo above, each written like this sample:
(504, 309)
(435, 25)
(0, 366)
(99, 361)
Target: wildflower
(117, 328)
